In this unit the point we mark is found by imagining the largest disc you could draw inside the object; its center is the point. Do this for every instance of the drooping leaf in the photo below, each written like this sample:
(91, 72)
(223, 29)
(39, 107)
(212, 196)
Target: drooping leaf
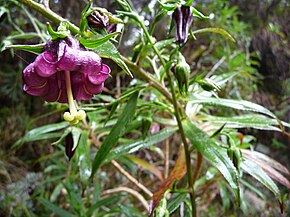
(212, 152)
(176, 174)
(215, 30)
(269, 165)
(235, 104)
(43, 132)
(254, 170)
(140, 144)
(55, 209)
(153, 169)
(117, 130)
(36, 49)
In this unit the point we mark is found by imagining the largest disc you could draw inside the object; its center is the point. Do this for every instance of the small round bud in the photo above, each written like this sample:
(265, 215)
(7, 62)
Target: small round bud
(68, 117)
(81, 115)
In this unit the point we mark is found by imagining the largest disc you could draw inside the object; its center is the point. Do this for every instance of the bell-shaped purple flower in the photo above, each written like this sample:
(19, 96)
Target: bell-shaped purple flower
(65, 72)
(46, 76)
(182, 18)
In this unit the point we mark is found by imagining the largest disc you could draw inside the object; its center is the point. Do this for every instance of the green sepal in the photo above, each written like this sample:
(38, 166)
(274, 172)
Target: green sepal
(62, 31)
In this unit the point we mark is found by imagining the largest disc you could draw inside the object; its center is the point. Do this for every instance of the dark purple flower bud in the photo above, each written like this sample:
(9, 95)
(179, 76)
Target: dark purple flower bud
(97, 20)
(112, 27)
(69, 146)
(182, 18)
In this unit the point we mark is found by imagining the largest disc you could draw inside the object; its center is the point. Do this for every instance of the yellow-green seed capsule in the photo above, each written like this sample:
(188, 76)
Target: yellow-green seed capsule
(81, 115)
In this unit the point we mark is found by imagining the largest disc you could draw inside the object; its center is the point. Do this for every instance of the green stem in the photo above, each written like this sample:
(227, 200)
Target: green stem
(177, 110)
(45, 11)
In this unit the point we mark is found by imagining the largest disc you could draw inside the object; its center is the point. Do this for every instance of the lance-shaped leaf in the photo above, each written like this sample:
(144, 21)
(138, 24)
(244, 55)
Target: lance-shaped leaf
(144, 164)
(41, 133)
(269, 165)
(93, 43)
(118, 129)
(129, 148)
(256, 121)
(176, 174)
(254, 170)
(235, 104)
(212, 152)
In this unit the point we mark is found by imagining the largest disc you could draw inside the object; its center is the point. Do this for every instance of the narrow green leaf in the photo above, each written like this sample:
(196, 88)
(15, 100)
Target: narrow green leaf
(104, 202)
(175, 201)
(254, 170)
(36, 49)
(96, 42)
(215, 30)
(43, 132)
(118, 129)
(146, 165)
(140, 144)
(235, 104)
(256, 121)
(108, 50)
(210, 150)
(59, 211)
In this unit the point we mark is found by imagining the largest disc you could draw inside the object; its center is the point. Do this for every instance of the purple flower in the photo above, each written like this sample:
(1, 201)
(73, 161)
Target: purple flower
(65, 68)
(182, 18)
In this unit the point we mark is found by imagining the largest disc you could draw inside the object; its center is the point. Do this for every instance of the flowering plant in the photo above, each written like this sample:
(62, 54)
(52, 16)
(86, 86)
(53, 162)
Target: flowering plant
(160, 112)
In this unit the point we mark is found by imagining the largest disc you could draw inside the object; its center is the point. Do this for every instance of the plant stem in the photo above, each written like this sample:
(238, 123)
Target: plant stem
(177, 110)
(45, 11)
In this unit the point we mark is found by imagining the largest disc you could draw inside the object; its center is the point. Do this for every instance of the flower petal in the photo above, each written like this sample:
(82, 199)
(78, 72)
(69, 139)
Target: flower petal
(44, 64)
(36, 91)
(31, 78)
(91, 62)
(69, 59)
(93, 89)
(99, 77)
(57, 89)
(77, 81)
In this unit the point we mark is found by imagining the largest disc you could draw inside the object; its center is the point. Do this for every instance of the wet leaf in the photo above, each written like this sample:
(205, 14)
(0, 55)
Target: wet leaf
(269, 165)
(117, 130)
(176, 174)
(254, 170)
(108, 50)
(212, 152)
(235, 104)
